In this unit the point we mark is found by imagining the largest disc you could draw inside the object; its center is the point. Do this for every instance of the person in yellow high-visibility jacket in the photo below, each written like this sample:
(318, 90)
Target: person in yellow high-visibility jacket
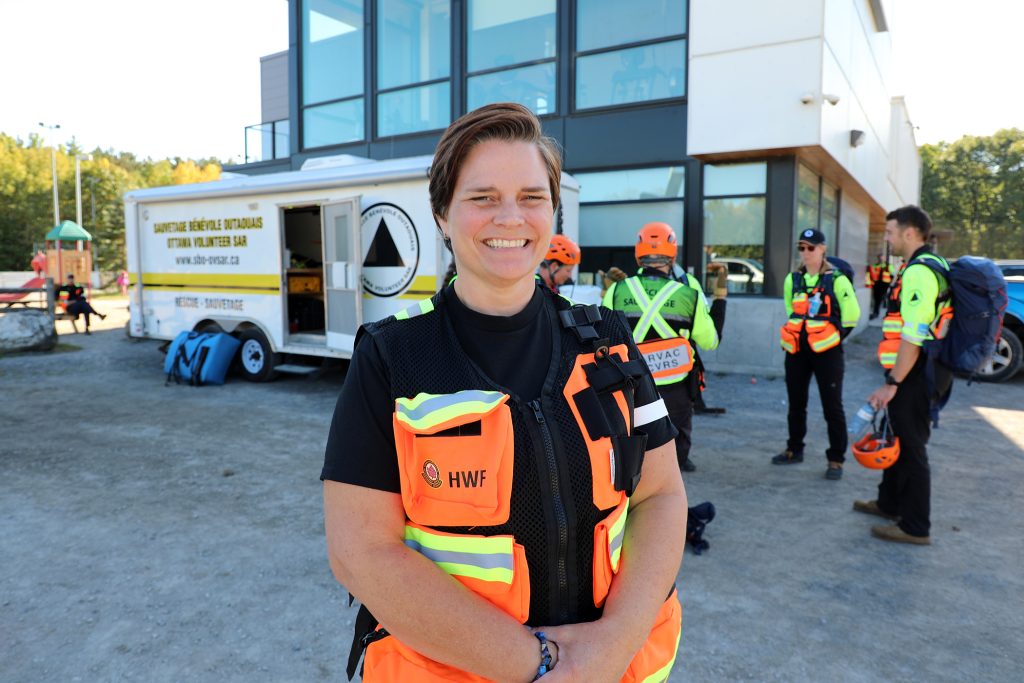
(822, 310)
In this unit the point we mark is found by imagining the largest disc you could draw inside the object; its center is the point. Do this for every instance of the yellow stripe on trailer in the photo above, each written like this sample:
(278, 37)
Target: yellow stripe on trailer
(213, 290)
(246, 280)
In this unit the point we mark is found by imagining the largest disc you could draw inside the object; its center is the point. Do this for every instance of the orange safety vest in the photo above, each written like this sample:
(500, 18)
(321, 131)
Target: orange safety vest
(880, 273)
(467, 458)
(822, 328)
(892, 324)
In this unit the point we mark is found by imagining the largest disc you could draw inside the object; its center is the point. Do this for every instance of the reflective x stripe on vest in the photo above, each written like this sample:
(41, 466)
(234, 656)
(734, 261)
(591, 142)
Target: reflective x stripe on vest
(671, 358)
(651, 316)
(477, 557)
(429, 413)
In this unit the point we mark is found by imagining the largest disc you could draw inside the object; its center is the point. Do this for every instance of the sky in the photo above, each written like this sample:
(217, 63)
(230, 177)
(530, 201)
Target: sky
(959, 65)
(163, 78)
(158, 78)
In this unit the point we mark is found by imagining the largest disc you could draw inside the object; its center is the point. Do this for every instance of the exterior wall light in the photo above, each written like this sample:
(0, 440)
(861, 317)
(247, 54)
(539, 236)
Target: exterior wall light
(856, 138)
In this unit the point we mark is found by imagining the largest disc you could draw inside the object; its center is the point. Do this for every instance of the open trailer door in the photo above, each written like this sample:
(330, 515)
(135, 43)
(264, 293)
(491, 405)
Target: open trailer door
(343, 289)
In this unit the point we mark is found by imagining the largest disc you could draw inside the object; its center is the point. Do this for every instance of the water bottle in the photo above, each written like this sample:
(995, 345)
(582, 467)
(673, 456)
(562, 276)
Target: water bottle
(861, 421)
(815, 304)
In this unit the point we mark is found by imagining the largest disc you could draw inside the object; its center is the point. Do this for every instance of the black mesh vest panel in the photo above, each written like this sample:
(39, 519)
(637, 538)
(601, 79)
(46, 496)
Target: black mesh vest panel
(422, 354)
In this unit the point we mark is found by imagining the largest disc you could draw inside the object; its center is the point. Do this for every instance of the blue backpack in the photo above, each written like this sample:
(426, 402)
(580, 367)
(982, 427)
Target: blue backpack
(843, 266)
(978, 292)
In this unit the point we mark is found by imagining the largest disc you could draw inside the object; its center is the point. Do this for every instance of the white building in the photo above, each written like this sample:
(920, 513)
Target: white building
(739, 122)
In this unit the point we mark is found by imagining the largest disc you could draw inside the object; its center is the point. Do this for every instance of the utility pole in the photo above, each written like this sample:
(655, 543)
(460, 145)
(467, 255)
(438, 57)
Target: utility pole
(53, 164)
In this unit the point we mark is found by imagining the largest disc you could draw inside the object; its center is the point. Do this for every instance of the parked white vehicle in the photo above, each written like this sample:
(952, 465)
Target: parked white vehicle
(291, 263)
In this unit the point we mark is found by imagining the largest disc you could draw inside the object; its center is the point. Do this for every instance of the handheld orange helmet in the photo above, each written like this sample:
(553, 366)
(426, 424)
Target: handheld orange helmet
(563, 250)
(879, 449)
(656, 241)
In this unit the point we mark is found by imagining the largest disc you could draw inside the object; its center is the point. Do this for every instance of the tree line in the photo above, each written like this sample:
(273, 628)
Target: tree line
(974, 190)
(26, 195)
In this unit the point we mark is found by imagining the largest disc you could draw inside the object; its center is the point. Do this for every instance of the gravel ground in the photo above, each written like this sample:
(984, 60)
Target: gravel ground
(156, 533)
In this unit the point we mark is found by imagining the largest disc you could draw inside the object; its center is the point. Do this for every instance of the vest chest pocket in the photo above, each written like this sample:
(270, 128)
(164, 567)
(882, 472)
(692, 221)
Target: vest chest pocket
(455, 456)
(603, 416)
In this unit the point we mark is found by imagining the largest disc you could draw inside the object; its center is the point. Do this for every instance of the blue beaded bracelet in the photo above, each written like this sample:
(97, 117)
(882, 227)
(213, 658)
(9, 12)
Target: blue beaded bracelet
(545, 655)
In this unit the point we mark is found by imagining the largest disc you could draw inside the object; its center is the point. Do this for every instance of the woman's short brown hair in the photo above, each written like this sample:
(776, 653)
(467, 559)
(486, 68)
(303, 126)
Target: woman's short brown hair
(506, 121)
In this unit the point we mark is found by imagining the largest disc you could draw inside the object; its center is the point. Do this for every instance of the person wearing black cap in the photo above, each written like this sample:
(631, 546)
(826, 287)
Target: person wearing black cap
(77, 304)
(822, 309)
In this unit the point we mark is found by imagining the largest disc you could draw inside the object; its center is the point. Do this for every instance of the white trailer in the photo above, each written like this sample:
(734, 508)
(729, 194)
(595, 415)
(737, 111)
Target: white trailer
(292, 263)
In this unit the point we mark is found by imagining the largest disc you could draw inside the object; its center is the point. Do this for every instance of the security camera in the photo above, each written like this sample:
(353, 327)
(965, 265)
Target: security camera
(831, 99)
(807, 98)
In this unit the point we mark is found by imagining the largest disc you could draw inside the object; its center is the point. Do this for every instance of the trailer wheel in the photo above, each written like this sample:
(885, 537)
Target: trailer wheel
(256, 360)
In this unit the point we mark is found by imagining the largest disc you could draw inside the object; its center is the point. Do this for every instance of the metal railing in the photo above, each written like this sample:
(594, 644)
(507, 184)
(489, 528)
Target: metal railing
(267, 141)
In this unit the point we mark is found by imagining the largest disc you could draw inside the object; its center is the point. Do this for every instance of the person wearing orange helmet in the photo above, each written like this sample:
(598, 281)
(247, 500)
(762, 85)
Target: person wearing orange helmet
(668, 315)
(562, 256)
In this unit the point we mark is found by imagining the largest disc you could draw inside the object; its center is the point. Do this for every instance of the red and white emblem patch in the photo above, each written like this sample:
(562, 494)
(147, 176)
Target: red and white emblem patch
(431, 474)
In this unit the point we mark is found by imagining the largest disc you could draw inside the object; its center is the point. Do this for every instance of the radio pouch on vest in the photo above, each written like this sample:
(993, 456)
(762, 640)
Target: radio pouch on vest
(606, 375)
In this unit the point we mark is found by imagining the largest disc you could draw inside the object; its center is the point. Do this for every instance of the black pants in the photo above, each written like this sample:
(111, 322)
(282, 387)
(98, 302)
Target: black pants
(680, 412)
(906, 486)
(878, 292)
(81, 307)
(827, 368)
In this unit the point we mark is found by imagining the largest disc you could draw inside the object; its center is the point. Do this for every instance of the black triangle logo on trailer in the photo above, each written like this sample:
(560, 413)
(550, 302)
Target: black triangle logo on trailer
(383, 253)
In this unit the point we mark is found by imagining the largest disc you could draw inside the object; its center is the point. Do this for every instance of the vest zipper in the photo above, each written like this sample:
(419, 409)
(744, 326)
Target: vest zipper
(560, 515)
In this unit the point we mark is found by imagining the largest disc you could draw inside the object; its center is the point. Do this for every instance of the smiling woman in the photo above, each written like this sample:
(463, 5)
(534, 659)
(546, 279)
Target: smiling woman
(500, 439)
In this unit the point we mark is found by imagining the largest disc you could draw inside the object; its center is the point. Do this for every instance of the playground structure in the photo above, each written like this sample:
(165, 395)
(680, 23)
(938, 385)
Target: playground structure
(69, 250)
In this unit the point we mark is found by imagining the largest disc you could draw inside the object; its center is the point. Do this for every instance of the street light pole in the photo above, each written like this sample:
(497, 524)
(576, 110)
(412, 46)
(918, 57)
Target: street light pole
(53, 165)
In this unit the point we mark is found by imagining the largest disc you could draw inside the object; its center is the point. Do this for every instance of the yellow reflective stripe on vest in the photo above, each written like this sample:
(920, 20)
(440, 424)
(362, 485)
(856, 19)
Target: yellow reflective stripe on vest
(418, 308)
(825, 344)
(887, 360)
(615, 536)
(428, 410)
(478, 557)
(651, 316)
(892, 325)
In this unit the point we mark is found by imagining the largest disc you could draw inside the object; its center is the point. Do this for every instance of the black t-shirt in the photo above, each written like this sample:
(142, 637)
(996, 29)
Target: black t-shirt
(513, 351)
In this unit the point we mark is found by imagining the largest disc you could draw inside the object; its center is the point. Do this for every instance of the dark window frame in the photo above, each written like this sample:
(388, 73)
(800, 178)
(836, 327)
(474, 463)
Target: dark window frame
(368, 18)
(466, 74)
(453, 25)
(766, 195)
(574, 55)
(834, 249)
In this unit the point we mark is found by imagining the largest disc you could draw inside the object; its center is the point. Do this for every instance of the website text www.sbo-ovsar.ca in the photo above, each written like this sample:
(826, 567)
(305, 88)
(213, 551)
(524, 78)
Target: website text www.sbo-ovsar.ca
(202, 260)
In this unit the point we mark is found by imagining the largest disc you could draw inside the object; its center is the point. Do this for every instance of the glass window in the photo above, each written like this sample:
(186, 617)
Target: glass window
(637, 74)
(734, 231)
(635, 183)
(531, 86)
(604, 23)
(504, 33)
(732, 179)
(333, 124)
(807, 199)
(332, 49)
(413, 42)
(414, 109)
(830, 214)
(615, 225)
(282, 138)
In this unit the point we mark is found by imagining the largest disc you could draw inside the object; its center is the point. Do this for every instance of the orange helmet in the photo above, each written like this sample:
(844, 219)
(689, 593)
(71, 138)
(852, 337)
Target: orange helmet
(563, 250)
(656, 239)
(878, 449)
